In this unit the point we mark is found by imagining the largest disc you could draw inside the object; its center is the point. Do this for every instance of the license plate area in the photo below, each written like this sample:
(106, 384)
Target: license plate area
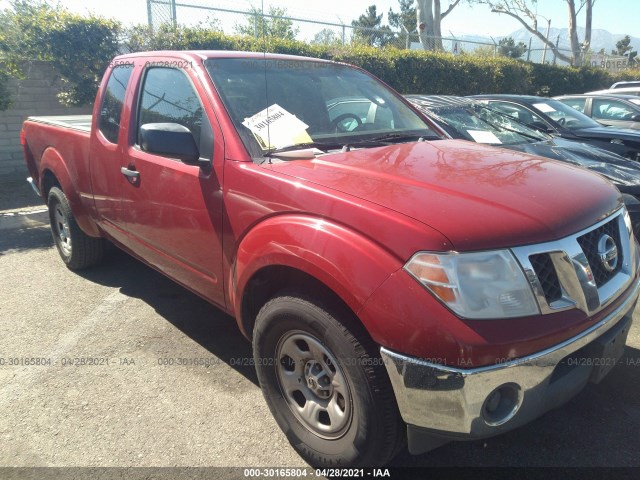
(607, 350)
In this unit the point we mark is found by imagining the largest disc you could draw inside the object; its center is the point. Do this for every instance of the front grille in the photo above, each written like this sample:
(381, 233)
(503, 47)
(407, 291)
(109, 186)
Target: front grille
(568, 273)
(589, 245)
(547, 276)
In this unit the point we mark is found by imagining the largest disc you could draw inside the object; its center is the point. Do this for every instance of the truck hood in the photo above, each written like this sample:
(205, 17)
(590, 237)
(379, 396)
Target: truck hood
(623, 173)
(479, 197)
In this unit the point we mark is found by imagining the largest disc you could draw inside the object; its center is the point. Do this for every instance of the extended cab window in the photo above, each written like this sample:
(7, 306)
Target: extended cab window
(111, 108)
(169, 97)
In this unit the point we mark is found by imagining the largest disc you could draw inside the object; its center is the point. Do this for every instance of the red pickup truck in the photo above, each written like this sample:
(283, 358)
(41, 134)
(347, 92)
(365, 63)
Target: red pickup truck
(395, 285)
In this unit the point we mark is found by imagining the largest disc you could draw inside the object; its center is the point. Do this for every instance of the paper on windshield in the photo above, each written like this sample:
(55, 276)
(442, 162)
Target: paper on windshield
(544, 107)
(274, 127)
(483, 136)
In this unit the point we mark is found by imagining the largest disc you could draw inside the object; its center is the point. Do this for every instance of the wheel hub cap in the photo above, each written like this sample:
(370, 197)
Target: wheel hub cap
(318, 380)
(313, 385)
(62, 228)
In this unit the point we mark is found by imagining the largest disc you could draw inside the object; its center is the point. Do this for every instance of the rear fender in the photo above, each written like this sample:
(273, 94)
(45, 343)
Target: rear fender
(53, 162)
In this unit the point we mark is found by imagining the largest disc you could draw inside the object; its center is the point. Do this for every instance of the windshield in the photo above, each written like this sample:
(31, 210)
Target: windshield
(565, 115)
(275, 104)
(481, 124)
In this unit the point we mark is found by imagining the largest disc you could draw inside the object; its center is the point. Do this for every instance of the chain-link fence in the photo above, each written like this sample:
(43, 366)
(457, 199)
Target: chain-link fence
(241, 17)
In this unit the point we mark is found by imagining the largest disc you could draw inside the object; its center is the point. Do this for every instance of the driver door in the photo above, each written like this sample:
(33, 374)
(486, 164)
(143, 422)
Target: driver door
(171, 210)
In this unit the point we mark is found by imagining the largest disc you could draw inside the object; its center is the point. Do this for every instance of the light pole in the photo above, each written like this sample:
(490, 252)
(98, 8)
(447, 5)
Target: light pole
(544, 52)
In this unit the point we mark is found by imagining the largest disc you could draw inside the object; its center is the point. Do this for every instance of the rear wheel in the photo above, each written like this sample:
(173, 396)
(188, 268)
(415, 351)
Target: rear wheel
(325, 383)
(77, 249)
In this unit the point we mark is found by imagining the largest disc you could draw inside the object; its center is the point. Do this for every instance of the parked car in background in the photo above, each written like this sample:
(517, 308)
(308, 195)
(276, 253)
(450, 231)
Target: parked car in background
(469, 119)
(626, 84)
(608, 109)
(621, 90)
(554, 117)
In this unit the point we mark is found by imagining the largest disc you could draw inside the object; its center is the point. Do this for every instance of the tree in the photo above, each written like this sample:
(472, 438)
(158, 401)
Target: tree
(405, 20)
(79, 48)
(507, 48)
(522, 11)
(326, 36)
(369, 29)
(484, 51)
(270, 25)
(429, 16)
(624, 48)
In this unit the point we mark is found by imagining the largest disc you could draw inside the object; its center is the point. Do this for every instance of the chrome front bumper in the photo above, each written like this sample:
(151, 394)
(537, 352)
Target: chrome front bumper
(454, 401)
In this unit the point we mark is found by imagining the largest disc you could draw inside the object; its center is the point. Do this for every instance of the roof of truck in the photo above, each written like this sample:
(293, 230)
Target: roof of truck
(204, 54)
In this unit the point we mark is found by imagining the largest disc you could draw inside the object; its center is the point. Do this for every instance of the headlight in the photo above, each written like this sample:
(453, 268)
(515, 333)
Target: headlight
(476, 285)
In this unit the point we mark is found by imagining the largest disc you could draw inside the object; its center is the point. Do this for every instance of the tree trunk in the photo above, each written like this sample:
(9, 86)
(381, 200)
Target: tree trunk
(520, 11)
(573, 35)
(429, 14)
(587, 25)
(437, 30)
(424, 14)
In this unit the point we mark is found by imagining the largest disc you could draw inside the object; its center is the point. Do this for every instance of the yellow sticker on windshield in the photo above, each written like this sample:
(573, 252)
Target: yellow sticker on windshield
(274, 127)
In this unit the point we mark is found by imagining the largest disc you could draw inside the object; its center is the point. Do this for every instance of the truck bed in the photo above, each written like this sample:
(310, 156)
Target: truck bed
(75, 122)
(56, 139)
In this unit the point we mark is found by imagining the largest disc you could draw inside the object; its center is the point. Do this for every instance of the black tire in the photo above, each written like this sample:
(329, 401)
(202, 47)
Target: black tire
(77, 249)
(368, 431)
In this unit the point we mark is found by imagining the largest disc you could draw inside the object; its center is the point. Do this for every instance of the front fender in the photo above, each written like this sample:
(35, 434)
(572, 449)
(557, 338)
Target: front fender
(347, 262)
(52, 160)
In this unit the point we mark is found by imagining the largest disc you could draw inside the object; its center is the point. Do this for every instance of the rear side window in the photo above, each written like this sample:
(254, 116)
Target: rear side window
(606, 109)
(111, 108)
(577, 103)
(169, 97)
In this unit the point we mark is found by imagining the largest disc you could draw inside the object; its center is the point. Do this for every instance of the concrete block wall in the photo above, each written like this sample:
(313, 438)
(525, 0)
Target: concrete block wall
(34, 95)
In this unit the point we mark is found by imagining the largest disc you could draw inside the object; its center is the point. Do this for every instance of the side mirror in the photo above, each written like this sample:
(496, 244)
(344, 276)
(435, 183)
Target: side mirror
(171, 140)
(635, 118)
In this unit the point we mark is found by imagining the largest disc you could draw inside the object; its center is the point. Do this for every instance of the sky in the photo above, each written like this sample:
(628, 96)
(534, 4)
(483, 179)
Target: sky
(616, 16)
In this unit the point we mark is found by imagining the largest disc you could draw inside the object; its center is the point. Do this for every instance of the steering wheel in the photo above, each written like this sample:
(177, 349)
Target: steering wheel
(339, 126)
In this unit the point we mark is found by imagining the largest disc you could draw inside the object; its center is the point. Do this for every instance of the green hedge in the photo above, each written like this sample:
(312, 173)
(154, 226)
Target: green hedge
(78, 47)
(81, 47)
(408, 71)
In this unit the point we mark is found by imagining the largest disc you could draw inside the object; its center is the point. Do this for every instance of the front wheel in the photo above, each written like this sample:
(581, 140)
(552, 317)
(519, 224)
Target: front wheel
(325, 384)
(77, 249)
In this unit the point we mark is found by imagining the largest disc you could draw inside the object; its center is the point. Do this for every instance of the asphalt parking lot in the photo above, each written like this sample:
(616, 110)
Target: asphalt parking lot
(109, 389)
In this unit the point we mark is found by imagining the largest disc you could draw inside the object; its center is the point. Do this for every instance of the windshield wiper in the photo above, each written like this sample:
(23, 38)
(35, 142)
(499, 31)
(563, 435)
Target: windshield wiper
(300, 151)
(399, 137)
(302, 146)
(510, 119)
(311, 149)
(526, 135)
(389, 139)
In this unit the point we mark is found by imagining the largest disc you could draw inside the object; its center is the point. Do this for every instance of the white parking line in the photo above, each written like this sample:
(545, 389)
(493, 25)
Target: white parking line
(22, 211)
(27, 376)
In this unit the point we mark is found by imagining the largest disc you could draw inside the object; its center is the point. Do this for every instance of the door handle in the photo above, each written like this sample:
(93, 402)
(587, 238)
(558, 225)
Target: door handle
(131, 174)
